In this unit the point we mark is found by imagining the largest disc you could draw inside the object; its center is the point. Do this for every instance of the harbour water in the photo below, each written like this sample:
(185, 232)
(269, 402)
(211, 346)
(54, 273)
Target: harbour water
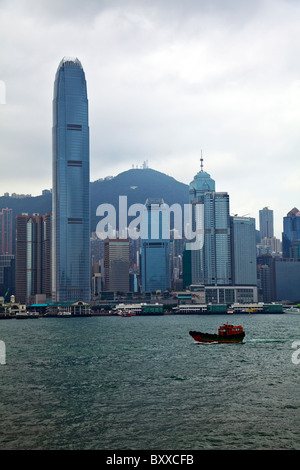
(143, 383)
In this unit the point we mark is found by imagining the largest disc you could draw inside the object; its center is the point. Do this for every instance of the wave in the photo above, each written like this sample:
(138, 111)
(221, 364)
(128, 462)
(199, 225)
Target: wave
(267, 340)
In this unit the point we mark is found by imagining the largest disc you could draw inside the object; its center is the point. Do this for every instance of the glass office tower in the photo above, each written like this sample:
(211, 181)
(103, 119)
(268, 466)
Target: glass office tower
(243, 251)
(291, 234)
(155, 249)
(211, 264)
(70, 197)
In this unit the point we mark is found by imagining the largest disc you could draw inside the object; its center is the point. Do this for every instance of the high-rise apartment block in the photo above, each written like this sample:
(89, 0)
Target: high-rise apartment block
(7, 275)
(33, 257)
(266, 223)
(70, 193)
(268, 242)
(116, 265)
(7, 258)
(6, 223)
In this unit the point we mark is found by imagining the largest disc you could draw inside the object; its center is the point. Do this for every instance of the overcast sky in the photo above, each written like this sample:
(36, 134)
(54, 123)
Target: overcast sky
(165, 78)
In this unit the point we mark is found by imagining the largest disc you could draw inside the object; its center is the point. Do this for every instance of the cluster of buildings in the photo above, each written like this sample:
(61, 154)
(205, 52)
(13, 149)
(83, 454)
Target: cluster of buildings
(58, 260)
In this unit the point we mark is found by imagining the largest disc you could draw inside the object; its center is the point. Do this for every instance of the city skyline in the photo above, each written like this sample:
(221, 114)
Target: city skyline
(229, 87)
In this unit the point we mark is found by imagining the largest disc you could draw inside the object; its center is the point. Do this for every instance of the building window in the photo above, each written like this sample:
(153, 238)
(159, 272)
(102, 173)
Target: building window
(77, 163)
(74, 127)
(74, 220)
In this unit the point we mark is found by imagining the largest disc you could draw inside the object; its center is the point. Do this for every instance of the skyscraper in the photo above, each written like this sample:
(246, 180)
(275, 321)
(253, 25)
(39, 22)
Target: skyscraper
(32, 256)
(266, 223)
(7, 259)
(6, 223)
(211, 263)
(155, 249)
(116, 265)
(243, 251)
(7, 274)
(70, 194)
(291, 234)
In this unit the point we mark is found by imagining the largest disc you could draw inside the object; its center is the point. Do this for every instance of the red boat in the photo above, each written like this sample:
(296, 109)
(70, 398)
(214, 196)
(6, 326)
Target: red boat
(226, 334)
(126, 314)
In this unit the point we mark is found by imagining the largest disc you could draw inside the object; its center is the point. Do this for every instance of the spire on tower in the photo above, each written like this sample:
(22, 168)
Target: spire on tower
(201, 160)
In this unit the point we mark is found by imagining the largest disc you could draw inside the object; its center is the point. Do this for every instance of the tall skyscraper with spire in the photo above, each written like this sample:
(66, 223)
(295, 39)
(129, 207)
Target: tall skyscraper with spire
(211, 263)
(70, 193)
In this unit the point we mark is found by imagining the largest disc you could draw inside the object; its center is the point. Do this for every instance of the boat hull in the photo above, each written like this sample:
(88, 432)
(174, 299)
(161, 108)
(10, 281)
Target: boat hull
(214, 338)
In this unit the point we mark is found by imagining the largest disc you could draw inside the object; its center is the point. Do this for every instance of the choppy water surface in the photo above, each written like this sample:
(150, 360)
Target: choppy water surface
(142, 383)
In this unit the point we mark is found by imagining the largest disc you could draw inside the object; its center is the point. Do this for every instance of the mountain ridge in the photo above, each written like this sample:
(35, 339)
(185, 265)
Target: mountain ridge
(137, 184)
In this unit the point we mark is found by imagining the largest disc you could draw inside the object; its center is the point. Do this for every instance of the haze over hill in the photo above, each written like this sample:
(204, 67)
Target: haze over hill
(136, 184)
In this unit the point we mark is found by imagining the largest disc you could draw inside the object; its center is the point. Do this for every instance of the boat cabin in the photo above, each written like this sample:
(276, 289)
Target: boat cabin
(227, 330)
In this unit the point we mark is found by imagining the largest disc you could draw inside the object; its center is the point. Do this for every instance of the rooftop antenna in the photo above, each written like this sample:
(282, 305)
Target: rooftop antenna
(201, 160)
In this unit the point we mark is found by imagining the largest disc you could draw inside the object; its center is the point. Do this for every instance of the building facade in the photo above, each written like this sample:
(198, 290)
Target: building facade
(33, 257)
(6, 223)
(155, 249)
(243, 251)
(211, 263)
(231, 294)
(7, 275)
(116, 265)
(266, 223)
(287, 276)
(70, 194)
(291, 234)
